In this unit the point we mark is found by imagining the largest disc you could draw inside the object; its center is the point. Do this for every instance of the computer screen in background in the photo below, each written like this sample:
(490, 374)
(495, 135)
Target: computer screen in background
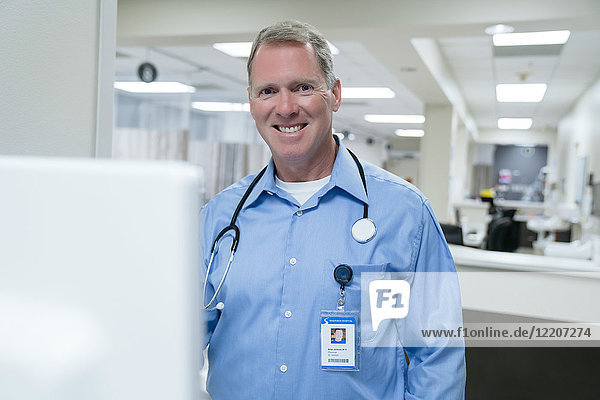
(99, 285)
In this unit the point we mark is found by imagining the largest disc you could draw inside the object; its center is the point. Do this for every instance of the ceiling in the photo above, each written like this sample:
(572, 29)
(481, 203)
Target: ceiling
(427, 52)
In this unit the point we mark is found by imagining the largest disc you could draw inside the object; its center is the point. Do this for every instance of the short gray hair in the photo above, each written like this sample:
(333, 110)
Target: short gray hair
(300, 32)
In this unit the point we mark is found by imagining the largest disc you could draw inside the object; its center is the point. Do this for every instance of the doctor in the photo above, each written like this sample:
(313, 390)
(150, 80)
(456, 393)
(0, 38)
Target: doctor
(295, 226)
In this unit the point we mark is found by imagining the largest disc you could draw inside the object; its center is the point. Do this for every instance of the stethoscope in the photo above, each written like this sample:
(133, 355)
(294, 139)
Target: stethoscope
(363, 230)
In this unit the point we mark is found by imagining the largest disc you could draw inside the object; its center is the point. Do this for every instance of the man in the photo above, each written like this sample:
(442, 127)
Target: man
(295, 227)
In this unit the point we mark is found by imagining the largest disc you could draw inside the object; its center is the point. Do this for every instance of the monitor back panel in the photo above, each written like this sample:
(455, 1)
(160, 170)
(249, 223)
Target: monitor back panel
(99, 286)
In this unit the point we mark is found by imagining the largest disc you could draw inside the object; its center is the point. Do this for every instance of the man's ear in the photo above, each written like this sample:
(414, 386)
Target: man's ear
(337, 94)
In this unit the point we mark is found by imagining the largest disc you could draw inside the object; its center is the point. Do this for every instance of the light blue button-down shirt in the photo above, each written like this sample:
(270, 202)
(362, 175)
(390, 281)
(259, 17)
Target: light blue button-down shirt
(265, 343)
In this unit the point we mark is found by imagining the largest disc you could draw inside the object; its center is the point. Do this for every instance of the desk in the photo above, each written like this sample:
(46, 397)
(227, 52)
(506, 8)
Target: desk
(553, 288)
(525, 207)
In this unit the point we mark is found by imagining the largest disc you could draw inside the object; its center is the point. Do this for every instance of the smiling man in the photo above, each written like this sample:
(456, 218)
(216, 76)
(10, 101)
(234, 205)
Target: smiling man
(291, 226)
(292, 103)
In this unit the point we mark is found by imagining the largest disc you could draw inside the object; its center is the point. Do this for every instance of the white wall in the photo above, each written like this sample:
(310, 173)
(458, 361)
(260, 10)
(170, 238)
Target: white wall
(49, 75)
(434, 161)
(459, 166)
(483, 153)
(374, 153)
(403, 158)
(404, 168)
(497, 136)
(579, 135)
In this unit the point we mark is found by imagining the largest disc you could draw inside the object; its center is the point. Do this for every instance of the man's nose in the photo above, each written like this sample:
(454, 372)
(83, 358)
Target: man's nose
(286, 104)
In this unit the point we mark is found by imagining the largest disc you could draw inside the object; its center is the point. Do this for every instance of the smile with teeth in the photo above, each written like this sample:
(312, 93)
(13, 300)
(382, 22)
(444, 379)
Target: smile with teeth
(289, 129)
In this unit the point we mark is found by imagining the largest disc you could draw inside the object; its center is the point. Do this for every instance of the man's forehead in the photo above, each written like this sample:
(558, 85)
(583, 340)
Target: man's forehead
(266, 47)
(269, 63)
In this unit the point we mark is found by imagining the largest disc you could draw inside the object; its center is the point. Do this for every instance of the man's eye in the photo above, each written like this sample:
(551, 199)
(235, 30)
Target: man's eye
(304, 88)
(266, 91)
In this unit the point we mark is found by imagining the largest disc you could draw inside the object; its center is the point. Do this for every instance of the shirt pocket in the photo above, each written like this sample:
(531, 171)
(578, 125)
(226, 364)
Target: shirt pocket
(354, 296)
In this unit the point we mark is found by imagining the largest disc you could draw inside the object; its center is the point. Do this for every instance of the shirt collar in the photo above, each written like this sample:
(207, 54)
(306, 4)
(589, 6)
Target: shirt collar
(344, 175)
(265, 184)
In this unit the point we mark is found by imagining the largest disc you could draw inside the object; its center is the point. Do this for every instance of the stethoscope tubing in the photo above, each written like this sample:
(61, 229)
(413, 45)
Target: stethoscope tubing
(236, 239)
(236, 233)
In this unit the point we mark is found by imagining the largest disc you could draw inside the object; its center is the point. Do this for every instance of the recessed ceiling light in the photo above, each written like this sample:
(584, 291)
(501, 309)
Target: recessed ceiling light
(395, 119)
(154, 87)
(499, 28)
(367, 93)
(531, 38)
(521, 92)
(514, 123)
(410, 132)
(220, 106)
(243, 49)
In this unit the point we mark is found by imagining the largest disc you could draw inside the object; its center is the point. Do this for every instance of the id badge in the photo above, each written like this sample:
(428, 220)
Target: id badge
(340, 341)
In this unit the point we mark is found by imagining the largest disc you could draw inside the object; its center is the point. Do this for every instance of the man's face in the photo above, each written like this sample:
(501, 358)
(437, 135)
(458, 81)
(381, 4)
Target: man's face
(338, 335)
(291, 104)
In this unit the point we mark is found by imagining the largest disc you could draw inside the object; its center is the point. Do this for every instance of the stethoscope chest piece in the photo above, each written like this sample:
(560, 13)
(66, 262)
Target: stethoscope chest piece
(363, 230)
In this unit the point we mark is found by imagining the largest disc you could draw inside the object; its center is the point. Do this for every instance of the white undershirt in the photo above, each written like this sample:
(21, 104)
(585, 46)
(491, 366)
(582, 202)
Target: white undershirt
(302, 191)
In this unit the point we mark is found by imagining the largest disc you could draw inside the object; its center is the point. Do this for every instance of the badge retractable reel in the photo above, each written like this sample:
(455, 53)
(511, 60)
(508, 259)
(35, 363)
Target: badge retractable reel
(343, 275)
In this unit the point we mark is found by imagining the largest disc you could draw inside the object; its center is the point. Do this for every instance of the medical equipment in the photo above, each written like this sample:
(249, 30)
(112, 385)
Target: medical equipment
(363, 230)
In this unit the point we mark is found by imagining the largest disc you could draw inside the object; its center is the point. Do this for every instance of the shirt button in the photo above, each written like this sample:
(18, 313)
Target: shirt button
(288, 314)
(269, 193)
(299, 212)
(293, 261)
(283, 368)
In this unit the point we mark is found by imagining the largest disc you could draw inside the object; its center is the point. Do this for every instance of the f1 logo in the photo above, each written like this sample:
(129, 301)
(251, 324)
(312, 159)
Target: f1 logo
(389, 299)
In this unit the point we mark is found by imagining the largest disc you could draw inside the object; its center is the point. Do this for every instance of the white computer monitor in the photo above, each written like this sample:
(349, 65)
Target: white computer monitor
(99, 286)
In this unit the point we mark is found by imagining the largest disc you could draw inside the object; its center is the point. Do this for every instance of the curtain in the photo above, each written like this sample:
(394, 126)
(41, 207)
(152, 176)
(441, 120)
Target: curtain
(482, 178)
(135, 143)
(226, 163)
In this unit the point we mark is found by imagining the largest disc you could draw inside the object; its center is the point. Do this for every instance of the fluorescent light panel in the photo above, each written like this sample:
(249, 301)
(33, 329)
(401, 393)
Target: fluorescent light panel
(334, 50)
(499, 28)
(154, 87)
(235, 49)
(394, 119)
(521, 92)
(367, 93)
(514, 123)
(243, 49)
(410, 132)
(220, 106)
(531, 38)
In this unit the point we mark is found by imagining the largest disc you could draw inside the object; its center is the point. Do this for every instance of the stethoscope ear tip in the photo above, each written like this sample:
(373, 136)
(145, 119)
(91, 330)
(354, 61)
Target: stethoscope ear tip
(220, 305)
